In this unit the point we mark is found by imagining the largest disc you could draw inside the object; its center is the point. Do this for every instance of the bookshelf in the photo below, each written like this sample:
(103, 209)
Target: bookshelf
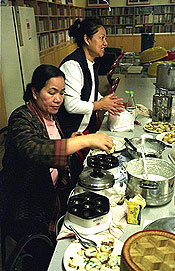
(136, 19)
(53, 20)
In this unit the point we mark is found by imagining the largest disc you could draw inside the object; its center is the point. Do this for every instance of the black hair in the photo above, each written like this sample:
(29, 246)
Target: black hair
(40, 76)
(87, 27)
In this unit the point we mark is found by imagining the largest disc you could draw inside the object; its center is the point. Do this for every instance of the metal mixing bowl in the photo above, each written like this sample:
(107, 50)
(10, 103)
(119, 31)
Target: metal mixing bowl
(152, 147)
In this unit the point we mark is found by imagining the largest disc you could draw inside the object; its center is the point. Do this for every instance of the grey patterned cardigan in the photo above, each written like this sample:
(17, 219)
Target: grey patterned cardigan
(26, 182)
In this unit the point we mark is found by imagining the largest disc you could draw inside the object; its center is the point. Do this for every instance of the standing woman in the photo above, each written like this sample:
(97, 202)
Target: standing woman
(34, 179)
(82, 99)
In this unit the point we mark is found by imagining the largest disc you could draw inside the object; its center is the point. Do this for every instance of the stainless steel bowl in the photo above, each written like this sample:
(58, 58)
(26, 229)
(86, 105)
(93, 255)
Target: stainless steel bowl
(152, 147)
(158, 188)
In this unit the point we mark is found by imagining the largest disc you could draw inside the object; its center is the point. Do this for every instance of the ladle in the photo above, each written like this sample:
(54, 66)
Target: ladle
(144, 160)
(83, 241)
(142, 149)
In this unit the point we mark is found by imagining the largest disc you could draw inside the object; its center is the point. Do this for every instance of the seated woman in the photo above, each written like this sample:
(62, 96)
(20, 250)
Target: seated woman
(35, 180)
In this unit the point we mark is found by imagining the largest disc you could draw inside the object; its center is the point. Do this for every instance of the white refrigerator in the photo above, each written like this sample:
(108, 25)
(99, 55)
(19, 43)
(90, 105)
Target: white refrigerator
(19, 53)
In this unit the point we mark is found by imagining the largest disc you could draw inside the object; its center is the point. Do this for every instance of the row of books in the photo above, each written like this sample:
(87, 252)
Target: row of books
(43, 41)
(159, 9)
(59, 11)
(139, 29)
(139, 19)
(56, 23)
(52, 39)
(43, 25)
(56, 38)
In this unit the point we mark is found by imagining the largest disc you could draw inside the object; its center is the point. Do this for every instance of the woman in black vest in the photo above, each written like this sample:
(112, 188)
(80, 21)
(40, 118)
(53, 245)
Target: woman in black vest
(82, 99)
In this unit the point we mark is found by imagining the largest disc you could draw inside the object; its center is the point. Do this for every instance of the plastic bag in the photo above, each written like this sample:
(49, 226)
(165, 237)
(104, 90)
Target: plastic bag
(124, 122)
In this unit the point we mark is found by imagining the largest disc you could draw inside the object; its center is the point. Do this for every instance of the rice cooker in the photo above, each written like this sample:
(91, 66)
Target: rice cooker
(88, 213)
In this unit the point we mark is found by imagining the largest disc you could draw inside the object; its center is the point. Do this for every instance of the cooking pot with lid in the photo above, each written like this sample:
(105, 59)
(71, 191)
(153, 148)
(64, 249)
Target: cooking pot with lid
(96, 176)
(158, 188)
(166, 76)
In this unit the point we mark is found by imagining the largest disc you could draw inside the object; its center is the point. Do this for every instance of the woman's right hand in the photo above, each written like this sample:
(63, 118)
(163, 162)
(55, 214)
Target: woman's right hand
(110, 103)
(93, 141)
(99, 141)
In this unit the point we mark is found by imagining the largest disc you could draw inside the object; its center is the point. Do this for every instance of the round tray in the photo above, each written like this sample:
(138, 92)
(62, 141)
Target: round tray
(149, 250)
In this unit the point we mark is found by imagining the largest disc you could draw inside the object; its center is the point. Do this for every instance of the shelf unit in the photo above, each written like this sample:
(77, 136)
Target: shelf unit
(136, 19)
(53, 20)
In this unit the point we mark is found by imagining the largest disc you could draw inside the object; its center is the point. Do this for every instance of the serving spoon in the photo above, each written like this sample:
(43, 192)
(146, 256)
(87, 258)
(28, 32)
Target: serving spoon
(83, 241)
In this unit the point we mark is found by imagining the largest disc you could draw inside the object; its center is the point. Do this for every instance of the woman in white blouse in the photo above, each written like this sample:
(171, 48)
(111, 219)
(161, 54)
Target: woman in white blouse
(82, 99)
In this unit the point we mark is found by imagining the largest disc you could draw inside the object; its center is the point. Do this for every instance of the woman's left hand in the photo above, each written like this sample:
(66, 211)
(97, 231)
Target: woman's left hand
(76, 134)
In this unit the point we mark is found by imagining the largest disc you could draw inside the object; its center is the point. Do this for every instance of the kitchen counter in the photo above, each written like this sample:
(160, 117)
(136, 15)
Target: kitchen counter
(143, 90)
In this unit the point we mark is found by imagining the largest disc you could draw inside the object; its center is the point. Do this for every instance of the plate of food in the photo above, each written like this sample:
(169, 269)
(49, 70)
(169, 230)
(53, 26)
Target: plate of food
(167, 138)
(105, 257)
(119, 145)
(159, 127)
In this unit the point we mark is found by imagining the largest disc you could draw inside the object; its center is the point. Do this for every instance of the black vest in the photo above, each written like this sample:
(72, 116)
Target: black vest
(70, 122)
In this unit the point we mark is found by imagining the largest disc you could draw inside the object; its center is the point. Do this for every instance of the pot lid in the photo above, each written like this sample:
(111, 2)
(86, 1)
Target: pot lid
(166, 224)
(96, 179)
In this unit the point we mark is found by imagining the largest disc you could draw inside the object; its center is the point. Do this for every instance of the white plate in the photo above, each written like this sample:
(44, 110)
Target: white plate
(119, 143)
(151, 131)
(160, 136)
(119, 146)
(73, 248)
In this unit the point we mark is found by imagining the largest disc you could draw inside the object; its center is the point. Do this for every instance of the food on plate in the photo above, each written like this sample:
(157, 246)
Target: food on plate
(108, 241)
(101, 258)
(159, 126)
(169, 138)
(112, 149)
(90, 252)
(93, 263)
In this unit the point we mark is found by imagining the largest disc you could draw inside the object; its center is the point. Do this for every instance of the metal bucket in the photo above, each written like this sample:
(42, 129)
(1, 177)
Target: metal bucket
(158, 188)
(166, 76)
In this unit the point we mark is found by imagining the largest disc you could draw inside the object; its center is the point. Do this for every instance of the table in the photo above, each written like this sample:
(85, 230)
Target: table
(143, 90)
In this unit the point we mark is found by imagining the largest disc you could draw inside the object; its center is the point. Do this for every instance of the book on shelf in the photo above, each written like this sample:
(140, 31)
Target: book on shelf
(44, 41)
(53, 39)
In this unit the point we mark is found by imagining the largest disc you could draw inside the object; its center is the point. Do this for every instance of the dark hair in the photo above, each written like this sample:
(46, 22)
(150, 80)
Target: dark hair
(40, 76)
(88, 26)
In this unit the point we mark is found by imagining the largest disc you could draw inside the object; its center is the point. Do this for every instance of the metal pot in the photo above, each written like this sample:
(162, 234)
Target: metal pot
(166, 76)
(152, 147)
(158, 188)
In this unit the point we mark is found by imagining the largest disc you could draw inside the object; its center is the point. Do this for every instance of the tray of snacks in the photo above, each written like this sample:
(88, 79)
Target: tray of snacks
(159, 127)
(167, 138)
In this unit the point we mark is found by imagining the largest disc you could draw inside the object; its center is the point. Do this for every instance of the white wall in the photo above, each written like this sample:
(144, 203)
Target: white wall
(115, 3)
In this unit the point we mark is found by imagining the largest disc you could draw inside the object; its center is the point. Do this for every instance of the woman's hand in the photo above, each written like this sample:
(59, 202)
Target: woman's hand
(94, 141)
(99, 141)
(76, 134)
(110, 103)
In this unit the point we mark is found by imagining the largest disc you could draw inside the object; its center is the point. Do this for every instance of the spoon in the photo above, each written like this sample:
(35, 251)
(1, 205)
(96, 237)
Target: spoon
(83, 241)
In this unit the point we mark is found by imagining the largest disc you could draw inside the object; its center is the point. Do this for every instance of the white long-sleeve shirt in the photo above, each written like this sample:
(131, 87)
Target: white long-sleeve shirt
(73, 85)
